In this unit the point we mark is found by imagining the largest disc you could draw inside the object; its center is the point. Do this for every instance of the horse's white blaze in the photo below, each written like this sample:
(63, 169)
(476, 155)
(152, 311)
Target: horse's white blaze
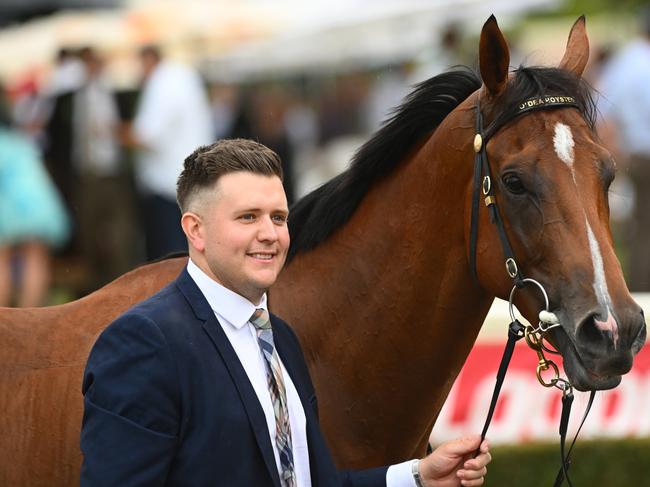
(563, 143)
(600, 287)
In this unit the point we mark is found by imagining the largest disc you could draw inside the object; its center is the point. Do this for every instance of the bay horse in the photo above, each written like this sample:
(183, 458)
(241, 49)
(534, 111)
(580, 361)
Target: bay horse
(379, 285)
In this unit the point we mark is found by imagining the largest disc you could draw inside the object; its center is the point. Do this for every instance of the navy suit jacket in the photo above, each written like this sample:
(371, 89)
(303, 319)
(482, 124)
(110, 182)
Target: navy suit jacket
(167, 403)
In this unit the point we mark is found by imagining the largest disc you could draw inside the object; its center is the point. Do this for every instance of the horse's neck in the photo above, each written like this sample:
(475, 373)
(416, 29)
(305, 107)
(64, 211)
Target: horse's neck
(387, 311)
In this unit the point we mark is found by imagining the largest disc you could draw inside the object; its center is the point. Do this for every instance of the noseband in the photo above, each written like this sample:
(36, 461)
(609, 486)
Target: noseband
(482, 183)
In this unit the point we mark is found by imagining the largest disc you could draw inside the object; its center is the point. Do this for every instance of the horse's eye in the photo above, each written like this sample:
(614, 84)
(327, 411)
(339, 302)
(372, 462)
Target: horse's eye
(514, 184)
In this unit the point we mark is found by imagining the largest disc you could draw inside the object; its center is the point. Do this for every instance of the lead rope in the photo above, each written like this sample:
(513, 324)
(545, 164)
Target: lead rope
(515, 333)
(567, 400)
(534, 339)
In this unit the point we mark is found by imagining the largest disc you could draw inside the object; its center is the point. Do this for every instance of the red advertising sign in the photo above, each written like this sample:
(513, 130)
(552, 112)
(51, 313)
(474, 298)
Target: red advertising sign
(526, 411)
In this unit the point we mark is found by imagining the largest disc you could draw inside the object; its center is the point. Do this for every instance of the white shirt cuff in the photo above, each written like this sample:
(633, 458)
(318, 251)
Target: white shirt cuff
(400, 475)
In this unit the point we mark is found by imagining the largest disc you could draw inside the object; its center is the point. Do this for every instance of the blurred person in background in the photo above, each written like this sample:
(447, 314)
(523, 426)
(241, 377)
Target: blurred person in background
(260, 114)
(446, 50)
(103, 193)
(173, 117)
(27, 107)
(303, 133)
(224, 100)
(68, 73)
(341, 107)
(270, 129)
(56, 114)
(389, 88)
(32, 217)
(625, 125)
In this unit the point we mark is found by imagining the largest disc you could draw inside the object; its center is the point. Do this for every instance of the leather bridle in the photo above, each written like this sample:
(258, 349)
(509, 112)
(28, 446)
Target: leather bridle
(482, 183)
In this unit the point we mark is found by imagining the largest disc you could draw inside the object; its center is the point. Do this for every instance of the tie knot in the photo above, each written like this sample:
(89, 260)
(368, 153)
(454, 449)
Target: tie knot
(260, 319)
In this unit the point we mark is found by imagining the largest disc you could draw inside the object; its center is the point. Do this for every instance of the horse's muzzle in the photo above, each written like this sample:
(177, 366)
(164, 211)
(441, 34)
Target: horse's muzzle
(595, 357)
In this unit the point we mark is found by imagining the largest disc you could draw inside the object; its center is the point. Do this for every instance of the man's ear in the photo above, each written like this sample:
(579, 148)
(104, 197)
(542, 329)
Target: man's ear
(193, 228)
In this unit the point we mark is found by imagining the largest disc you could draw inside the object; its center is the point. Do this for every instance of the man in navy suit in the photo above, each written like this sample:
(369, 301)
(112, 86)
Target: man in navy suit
(177, 390)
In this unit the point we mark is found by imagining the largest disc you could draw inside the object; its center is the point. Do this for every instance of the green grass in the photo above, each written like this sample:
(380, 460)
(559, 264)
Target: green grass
(620, 463)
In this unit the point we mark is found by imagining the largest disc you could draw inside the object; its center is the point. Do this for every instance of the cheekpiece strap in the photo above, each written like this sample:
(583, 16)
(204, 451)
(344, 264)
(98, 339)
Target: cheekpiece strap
(482, 168)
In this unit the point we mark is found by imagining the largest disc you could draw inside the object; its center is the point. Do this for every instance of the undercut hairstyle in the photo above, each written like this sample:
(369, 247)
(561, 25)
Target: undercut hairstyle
(208, 163)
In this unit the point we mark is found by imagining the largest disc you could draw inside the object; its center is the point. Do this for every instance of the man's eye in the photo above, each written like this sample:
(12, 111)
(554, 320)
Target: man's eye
(248, 217)
(279, 218)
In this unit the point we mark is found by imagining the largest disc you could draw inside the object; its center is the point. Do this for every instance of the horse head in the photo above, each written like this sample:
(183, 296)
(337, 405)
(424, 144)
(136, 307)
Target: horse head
(550, 177)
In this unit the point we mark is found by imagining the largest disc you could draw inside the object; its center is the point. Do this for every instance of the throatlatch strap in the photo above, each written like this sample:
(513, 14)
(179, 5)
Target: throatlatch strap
(515, 333)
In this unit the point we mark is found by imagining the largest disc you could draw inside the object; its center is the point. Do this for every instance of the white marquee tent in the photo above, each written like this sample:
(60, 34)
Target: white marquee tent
(250, 37)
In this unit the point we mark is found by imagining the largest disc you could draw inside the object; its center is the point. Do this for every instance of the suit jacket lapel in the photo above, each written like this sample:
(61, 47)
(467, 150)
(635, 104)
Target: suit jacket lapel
(246, 392)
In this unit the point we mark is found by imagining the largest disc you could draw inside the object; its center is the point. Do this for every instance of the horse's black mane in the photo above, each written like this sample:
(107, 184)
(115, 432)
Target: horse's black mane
(316, 216)
(319, 214)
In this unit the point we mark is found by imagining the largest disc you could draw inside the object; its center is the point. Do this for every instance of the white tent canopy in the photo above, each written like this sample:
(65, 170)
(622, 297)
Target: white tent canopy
(237, 39)
(343, 34)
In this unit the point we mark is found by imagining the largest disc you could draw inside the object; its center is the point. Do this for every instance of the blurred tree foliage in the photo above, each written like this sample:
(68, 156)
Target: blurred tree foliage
(607, 463)
(578, 7)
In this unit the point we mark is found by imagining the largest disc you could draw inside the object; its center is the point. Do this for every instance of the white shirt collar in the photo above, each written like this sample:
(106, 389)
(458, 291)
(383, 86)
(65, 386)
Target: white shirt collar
(235, 308)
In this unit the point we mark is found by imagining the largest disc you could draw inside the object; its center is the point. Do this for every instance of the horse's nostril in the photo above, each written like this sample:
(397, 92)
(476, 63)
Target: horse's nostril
(589, 334)
(640, 338)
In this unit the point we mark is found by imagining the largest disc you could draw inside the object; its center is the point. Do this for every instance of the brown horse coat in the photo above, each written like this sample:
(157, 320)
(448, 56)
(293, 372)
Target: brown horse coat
(381, 295)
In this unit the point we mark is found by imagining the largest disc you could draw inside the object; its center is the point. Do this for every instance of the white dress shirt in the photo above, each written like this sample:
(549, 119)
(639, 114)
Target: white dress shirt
(95, 120)
(233, 312)
(172, 120)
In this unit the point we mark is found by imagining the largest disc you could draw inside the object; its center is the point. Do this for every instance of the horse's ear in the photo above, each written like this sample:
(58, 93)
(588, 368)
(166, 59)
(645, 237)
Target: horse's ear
(577, 48)
(494, 57)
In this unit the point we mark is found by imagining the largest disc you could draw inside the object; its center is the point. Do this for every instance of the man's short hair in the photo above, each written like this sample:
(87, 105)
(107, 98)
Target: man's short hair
(208, 163)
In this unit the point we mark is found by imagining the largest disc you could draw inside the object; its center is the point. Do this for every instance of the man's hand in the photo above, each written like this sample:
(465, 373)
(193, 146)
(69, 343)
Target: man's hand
(451, 464)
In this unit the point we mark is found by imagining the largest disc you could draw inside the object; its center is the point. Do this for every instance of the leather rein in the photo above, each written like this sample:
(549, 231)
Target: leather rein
(482, 183)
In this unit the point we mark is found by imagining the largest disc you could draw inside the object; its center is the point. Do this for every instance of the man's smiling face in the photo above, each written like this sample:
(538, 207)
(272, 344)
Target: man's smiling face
(244, 232)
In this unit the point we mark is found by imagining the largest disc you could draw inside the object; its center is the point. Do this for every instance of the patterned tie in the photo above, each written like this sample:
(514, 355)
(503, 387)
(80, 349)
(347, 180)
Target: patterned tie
(260, 320)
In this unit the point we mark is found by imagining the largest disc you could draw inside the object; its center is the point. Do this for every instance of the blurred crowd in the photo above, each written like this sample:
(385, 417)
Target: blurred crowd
(88, 172)
(622, 78)
(103, 162)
